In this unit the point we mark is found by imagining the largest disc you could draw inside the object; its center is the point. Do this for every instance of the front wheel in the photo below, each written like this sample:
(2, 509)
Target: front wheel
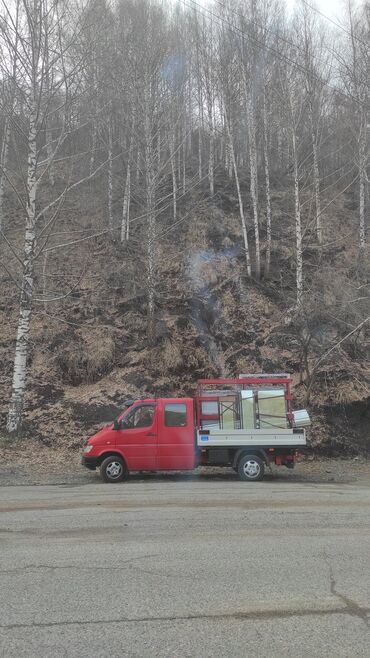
(251, 468)
(113, 469)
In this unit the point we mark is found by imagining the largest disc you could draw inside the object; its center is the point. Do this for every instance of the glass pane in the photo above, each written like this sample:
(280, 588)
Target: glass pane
(175, 415)
(228, 413)
(272, 408)
(247, 398)
(140, 417)
(210, 408)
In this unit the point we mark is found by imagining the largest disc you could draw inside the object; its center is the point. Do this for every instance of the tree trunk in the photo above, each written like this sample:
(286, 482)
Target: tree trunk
(362, 182)
(174, 180)
(280, 146)
(4, 166)
(316, 179)
(240, 200)
(184, 166)
(254, 181)
(125, 225)
(150, 209)
(94, 139)
(298, 227)
(199, 154)
(48, 131)
(21, 350)
(211, 159)
(267, 184)
(110, 179)
(138, 164)
(159, 151)
(228, 159)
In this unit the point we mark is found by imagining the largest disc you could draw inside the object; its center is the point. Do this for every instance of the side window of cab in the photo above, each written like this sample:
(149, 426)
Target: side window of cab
(142, 416)
(175, 415)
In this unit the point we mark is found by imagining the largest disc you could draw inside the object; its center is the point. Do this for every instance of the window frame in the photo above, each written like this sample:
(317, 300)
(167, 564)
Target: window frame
(175, 404)
(133, 411)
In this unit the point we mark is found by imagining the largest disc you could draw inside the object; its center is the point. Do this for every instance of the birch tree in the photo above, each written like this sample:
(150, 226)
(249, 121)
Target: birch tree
(8, 67)
(294, 104)
(42, 41)
(251, 85)
(229, 92)
(357, 71)
(207, 64)
(313, 49)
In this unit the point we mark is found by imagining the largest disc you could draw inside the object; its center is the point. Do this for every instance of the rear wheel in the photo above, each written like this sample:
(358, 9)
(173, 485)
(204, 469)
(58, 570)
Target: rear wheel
(113, 469)
(251, 468)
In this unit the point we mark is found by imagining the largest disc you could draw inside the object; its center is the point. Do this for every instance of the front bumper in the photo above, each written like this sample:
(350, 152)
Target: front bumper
(89, 462)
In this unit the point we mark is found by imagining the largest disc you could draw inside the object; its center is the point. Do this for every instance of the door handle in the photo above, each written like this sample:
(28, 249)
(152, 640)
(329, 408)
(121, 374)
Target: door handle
(151, 434)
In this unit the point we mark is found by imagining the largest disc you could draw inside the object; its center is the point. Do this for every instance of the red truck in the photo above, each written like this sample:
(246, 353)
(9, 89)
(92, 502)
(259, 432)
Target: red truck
(244, 423)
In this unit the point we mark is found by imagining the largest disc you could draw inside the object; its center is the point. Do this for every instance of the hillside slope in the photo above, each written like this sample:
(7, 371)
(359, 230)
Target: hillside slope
(90, 349)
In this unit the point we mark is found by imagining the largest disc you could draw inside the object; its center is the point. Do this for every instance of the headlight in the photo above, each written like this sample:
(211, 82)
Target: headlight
(88, 448)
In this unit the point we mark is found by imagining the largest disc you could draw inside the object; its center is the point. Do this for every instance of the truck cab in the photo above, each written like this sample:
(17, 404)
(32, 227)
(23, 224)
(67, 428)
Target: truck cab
(149, 435)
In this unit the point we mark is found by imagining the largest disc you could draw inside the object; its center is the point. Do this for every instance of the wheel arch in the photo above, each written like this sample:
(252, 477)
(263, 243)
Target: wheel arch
(258, 452)
(110, 453)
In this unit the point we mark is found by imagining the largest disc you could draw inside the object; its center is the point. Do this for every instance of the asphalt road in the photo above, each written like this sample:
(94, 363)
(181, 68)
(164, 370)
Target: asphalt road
(185, 569)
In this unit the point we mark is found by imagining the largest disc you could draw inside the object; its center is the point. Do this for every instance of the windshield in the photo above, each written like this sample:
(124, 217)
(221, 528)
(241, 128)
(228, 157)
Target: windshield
(139, 416)
(127, 406)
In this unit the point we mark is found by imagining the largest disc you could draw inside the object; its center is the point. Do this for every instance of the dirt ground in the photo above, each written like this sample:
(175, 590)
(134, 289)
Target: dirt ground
(32, 464)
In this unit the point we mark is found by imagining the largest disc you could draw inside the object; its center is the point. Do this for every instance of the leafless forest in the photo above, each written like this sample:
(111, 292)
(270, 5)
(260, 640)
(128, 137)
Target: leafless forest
(184, 192)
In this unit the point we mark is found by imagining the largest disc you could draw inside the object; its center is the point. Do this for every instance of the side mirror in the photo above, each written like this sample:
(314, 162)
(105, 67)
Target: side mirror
(116, 424)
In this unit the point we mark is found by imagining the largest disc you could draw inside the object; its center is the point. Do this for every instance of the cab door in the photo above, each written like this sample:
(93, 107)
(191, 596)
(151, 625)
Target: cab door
(137, 438)
(176, 435)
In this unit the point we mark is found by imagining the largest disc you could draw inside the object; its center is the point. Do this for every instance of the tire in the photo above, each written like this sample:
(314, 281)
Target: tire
(113, 469)
(251, 468)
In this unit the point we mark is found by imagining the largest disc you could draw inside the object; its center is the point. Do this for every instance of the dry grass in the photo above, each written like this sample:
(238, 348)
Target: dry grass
(171, 355)
(89, 359)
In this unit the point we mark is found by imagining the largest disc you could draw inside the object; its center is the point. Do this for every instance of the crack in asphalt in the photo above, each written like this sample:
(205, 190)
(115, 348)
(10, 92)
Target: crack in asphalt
(33, 567)
(135, 505)
(351, 609)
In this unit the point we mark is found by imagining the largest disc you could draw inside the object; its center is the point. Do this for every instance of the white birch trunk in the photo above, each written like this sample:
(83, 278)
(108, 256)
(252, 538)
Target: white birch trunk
(4, 167)
(110, 178)
(188, 122)
(174, 180)
(125, 224)
(267, 185)
(150, 209)
(280, 145)
(254, 181)
(199, 155)
(94, 139)
(48, 131)
(240, 201)
(362, 185)
(137, 176)
(49, 152)
(14, 419)
(298, 226)
(179, 164)
(184, 167)
(228, 159)
(211, 159)
(7, 127)
(316, 179)
(159, 151)
(316, 175)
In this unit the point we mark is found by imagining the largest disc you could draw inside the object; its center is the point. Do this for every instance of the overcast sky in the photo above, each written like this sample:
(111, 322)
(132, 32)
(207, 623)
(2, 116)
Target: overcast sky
(333, 8)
